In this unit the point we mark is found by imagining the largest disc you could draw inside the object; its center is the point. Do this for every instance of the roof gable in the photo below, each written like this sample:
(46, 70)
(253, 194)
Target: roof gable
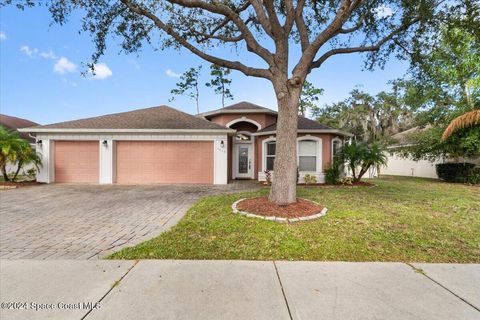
(240, 107)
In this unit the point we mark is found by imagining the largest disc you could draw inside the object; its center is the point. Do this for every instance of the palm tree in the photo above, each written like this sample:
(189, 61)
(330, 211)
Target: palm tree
(362, 156)
(14, 149)
(9, 143)
(466, 120)
(25, 155)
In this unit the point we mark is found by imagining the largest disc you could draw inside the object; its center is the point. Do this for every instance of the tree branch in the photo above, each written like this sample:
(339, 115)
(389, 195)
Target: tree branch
(206, 36)
(262, 16)
(301, 26)
(371, 48)
(290, 18)
(332, 29)
(236, 65)
(218, 8)
(277, 29)
(227, 20)
(357, 26)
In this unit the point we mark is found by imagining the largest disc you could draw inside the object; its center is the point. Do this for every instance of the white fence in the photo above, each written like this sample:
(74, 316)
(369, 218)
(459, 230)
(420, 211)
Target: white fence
(398, 166)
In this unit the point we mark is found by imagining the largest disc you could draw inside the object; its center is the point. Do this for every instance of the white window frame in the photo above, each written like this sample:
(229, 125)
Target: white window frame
(247, 133)
(264, 152)
(318, 153)
(306, 137)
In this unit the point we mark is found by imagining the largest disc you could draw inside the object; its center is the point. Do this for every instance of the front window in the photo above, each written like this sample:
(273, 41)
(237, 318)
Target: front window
(307, 155)
(242, 137)
(270, 155)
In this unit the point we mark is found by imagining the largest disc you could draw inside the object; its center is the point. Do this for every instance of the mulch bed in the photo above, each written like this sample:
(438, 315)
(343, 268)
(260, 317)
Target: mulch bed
(263, 207)
(18, 184)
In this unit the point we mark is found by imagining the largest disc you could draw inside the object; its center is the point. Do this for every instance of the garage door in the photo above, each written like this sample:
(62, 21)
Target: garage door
(164, 162)
(76, 161)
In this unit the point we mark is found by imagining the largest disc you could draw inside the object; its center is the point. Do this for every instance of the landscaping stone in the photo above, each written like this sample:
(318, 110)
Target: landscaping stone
(278, 219)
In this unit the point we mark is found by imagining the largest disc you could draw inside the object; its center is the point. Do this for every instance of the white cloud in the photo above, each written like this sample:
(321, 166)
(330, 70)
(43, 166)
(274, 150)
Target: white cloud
(384, 12)
(63, 65)
(29, 51)
(3, 36)
(48, 55)
(172, 74)
(101, 71)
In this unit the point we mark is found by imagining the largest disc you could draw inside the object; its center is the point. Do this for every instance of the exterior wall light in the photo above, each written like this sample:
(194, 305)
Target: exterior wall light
(105, 143)
(222, 144)
(39, 142)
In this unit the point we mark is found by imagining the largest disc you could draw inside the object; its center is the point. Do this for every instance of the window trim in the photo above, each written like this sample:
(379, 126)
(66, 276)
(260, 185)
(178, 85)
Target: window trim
(264, 152)
(243, 141)
(318, 153)
(305, 137)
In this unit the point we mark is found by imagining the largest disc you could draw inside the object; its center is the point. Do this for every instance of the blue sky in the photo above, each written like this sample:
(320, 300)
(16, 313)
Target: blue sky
(41, 66)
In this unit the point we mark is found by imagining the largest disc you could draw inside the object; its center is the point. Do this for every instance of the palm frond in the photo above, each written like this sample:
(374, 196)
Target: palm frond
(468, 119)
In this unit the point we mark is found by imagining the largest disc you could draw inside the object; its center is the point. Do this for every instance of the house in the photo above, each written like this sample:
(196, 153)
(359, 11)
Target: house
(13, 124)
(165, 145)
(401, 166)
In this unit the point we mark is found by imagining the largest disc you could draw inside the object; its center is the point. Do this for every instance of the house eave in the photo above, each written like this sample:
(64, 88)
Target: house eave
(216, 112)
(333, 131)
(162, 131)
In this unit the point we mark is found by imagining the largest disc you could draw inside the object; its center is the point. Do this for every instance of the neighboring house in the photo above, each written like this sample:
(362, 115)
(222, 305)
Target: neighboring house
(14, 123)
(399, 166)
(164, 145)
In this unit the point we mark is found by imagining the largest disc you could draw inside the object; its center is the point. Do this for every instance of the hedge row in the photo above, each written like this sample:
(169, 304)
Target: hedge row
(463, 172)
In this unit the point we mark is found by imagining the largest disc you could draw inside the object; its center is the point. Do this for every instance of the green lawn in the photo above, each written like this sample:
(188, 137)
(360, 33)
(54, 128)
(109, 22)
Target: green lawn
(400, 219)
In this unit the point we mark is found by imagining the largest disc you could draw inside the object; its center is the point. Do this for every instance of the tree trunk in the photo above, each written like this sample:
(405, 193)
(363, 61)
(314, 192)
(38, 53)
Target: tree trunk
(4, 172)
(284, 184)
(19, 166)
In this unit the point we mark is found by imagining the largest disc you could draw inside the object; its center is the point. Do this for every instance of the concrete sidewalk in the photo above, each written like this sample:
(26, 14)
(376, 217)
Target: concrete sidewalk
(166, 289)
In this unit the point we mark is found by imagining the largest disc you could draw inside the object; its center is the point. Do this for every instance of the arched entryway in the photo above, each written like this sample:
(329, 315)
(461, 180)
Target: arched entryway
(243, 148)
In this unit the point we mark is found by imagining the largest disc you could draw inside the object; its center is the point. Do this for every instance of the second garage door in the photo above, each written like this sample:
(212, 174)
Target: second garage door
(76, 161)
(140, 162)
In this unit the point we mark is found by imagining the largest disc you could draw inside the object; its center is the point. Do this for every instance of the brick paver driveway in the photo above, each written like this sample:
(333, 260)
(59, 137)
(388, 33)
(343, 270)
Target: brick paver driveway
(88, 221)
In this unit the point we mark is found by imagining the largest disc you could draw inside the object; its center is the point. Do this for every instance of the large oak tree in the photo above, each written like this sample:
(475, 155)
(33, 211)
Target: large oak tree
(291, 38)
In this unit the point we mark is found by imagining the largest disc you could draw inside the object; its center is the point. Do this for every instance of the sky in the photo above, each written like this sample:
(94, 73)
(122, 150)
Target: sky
(44, 78)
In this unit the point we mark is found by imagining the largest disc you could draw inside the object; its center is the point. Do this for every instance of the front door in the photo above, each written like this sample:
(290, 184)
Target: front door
(244, 161)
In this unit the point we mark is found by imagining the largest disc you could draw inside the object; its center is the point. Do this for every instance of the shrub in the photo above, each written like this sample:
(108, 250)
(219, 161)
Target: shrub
(347, 181)
(359, 157)
(332, 173)
(462, 172)
(310, 179)
(268, 177)
(31, 173)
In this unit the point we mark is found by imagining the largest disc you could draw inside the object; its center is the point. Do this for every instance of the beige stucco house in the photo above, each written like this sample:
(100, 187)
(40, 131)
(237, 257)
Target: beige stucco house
(165, 145)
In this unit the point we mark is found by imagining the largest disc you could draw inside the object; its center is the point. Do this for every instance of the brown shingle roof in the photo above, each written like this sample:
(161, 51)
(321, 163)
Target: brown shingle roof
(14, 123)
(303, 124)
(239, 107)
(162, 117)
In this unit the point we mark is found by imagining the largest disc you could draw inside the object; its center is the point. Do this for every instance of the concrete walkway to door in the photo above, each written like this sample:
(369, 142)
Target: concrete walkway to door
(166, 289)
(65, 221)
